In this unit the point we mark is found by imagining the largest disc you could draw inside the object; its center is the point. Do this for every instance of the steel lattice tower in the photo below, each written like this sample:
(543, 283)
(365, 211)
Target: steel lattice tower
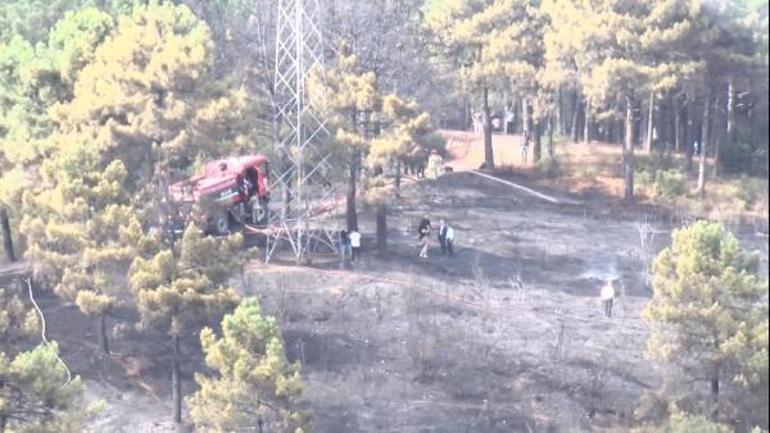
(298, 48)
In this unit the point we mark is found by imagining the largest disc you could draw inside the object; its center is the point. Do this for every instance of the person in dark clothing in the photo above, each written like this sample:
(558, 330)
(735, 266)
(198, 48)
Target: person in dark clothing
(424, 230)
(442, 229)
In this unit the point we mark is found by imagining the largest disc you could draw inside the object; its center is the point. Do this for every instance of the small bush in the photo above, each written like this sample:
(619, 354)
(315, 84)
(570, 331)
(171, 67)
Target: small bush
(658, 161)
(670, 183)
(748, 191)
(586, 171)
(549, 167)
(738, 157)
(644, 178)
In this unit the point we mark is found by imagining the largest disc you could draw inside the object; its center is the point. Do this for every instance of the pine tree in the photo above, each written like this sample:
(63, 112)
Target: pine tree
(403, 127)
(485, 40)
(76, 233)
(34, 394)
(710, 309)
(346, 98)
(254, 388)
(181, 289)
(142, 102)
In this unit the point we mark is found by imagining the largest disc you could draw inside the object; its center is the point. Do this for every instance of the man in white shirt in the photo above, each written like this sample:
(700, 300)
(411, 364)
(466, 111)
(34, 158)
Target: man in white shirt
(355, 244)
(607, 295)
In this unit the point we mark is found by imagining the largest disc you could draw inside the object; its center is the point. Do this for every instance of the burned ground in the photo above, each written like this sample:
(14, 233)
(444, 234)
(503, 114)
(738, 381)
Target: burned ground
(507, 336)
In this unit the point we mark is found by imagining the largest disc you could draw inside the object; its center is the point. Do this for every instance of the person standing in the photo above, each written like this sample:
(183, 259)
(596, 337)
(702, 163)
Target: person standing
(435, 163)
(449, 239)
(607, 296)
(424, 229)
(442, 228)
(355, 244)
(525, 147)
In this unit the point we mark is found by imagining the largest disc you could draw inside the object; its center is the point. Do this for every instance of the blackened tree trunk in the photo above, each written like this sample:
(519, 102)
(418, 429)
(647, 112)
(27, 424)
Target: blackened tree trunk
(559, 113)
(7, 239)
(525, 121)
(730, 110)
(382, 229)
(690, 138)
(537, 147)
(176, 383)
(714, 381)
(587, 123)
(489, 158)
(628, 152)
(575, 112)
(704, 147)
(677, 125)
(551, 127)
(398, 176)
(650, 122)
(103, 339)
(351, 214)
(717, 135)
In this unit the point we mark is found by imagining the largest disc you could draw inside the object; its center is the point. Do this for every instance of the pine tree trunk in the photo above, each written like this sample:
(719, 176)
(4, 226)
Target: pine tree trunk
(716, 134)
(398, 177)
(551, 124)
(628, 152)
(537, 147)
(7, 239)
(559, 114)
(489, 158)
(382, 229)
(575, 111)
(650, 122)
(524, 116)
(176, 383)
(468, 117)
(587, 125)
(677, 125)
(704, 147)
(715, 394)
(688, 140)
(730, 110)
(103, 334)
(351, 215)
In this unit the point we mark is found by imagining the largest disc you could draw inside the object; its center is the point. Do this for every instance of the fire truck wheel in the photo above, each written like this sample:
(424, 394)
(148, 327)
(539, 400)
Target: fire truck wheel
(222, 224)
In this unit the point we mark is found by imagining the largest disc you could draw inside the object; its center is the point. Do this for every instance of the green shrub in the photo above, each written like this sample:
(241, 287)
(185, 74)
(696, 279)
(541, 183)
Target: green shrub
(549, 167)
(656, 162)
(589, 171)
(670, 183)
(742, 157)
(748, 190)
(644, 178)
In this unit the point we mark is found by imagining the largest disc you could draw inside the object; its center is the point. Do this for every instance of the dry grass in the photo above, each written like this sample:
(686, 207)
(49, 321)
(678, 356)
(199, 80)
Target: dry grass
(594, 170)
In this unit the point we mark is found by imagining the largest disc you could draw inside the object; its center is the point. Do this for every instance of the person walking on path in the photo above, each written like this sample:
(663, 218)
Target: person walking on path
(449, 238)
(607, 296)
(355, 244)
(442, 236)
(424, 230)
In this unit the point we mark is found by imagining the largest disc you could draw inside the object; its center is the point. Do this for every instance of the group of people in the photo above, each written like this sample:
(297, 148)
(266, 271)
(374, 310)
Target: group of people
(350, 245)
(446, 237)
